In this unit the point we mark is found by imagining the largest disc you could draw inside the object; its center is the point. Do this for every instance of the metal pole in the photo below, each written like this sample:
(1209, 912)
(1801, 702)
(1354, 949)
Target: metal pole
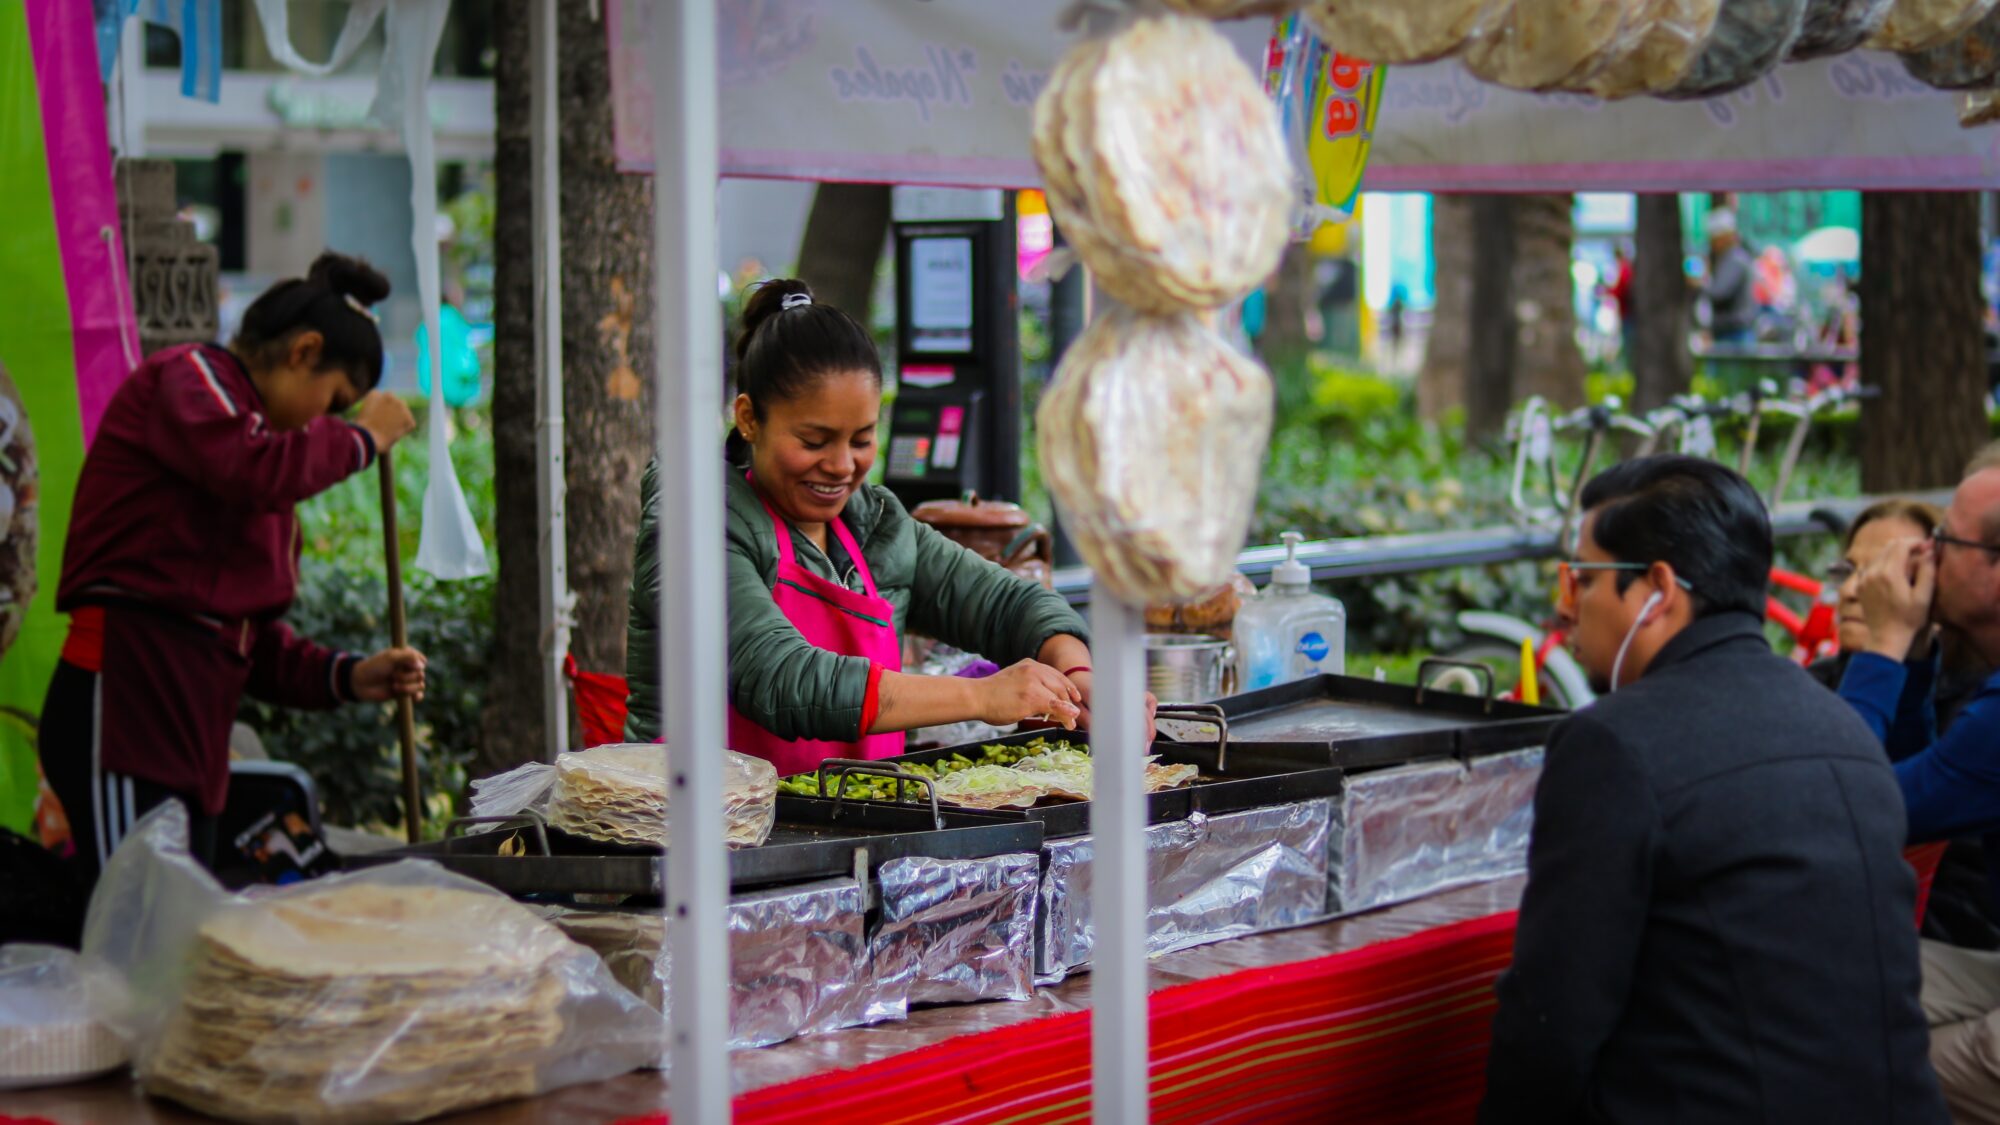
(688, 409)
(130, 96)
(551, 481)
(1118, 1030)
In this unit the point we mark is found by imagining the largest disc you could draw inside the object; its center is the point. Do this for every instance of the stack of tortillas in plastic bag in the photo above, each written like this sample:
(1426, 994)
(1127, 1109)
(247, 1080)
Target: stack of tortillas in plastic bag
(618, 794)
(1167, 171)
(362, 1002)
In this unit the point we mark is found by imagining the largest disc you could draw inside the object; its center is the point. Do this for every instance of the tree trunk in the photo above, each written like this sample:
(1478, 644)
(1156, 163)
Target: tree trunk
(607, 347)
(1441, 379)
(1547, 361)
(1662, 366)
(1921, 339)
(842, 245)
(511, 723)
(1285, 345)
(1495, 327)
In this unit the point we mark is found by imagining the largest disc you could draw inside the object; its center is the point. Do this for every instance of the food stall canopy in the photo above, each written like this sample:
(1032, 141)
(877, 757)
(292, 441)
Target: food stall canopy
(941, 93)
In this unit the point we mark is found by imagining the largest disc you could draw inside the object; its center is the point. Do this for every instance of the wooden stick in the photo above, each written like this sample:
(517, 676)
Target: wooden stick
(399, 636)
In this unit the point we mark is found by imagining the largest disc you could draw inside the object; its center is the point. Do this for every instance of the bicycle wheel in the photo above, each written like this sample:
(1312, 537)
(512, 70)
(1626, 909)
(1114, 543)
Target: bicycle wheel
(1506, 665)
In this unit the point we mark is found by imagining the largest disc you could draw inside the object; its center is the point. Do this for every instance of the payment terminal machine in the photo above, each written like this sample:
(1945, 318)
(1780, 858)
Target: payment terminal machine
(956, 423)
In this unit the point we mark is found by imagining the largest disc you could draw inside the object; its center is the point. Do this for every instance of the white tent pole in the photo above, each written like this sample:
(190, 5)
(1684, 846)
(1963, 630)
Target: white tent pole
(550, 479)
(688, 411)
(1118, 1025)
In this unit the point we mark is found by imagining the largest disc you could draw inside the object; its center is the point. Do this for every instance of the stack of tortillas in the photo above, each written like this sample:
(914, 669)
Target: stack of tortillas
(1153, 435)
(363, 1002)
(1834, 27)
(618, 794)
(1165, 165)
(1918, 25)
(1413, 31)
(1545, 44)
(1968, 62)
(1676, 31)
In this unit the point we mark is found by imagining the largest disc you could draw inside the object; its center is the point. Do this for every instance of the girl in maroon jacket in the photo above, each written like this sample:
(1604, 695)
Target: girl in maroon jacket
(183, 555)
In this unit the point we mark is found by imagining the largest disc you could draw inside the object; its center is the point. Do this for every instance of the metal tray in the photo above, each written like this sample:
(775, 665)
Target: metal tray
(1235, 776)
(800, 849)
(1356, 723)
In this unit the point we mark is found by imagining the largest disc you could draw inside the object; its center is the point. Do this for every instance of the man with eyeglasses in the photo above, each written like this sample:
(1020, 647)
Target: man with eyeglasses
(1950, 783)
(1717, 921)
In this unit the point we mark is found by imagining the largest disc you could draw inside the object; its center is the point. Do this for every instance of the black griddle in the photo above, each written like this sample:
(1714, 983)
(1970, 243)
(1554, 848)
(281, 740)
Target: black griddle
(800, 849)
(1356, 723)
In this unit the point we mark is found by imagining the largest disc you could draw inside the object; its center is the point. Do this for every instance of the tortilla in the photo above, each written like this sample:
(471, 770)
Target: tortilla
(1968, 62)
(1677, 31)
(1541, 44)
(1835, 27)
(1918, 25)
(1416, 31)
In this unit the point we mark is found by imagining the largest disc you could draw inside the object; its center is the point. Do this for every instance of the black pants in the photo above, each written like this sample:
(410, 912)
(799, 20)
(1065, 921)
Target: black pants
(102, 806)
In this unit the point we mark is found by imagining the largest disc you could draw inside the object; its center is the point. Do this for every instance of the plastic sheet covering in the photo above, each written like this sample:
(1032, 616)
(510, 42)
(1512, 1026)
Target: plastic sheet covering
(1751, 38)
(1417, 31)
(1403, 833)
(1165, 166)
(1835, 27)
(1675, 34)
(1546, 44)
(1917, 25)
(1211, 878)
(57, 1010)
(1967, 62)
(956, 931)
(1153, 437)
(393, 994)
(618, 794)
(798, 960)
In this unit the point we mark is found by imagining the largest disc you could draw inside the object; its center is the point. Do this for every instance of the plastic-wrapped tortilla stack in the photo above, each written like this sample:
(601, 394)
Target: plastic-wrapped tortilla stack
(1412, 31)
(1153, 436)
(1546, 44)
(1165, 165)
(1919, 25)
(1980, 107)
(1676, 32)
(1834, 27)
(362, 1002)
(1751, 38)
(1966, 63)
(618, 794)
(55, 1009)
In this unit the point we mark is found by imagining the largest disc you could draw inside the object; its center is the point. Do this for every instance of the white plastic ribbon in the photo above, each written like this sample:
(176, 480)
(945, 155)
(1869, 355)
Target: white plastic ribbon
(276, 18)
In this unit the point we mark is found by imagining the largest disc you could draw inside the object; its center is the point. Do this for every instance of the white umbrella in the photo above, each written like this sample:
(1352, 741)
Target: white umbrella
(1830, 244)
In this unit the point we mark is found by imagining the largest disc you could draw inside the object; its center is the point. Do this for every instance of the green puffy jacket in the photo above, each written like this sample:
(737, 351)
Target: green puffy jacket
(794, 689)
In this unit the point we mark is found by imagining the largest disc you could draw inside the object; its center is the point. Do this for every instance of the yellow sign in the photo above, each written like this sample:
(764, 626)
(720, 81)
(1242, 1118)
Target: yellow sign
(1347, 92)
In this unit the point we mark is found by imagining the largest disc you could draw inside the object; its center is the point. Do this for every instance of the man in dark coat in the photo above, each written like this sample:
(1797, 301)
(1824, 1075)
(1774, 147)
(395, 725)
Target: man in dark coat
(1718, 924)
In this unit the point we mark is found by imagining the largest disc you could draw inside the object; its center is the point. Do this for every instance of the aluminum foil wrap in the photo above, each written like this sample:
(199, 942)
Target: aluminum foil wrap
(1212, 878)
(1402, 833)
(956, 931)
(798, 960)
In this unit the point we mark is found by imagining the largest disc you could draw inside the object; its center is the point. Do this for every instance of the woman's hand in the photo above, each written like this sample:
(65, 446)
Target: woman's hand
(1896, 593)
(1082, 679)
(386, 417)
(1028, 690)
(393, 673)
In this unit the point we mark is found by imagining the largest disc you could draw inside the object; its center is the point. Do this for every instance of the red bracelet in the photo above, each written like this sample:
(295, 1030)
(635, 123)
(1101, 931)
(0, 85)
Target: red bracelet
(1075, 670)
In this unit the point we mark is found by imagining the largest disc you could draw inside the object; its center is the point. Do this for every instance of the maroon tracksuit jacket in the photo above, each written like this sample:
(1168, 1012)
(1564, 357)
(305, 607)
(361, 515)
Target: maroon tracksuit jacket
(184, 532)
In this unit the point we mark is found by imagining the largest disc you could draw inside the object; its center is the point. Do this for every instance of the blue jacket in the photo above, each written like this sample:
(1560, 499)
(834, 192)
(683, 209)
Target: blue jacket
(1951, 784)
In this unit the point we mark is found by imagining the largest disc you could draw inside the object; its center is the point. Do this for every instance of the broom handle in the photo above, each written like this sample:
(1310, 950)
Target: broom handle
(399, 636)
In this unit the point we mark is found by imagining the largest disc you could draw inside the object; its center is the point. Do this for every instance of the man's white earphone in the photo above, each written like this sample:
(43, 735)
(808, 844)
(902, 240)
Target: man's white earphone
(1652, 602)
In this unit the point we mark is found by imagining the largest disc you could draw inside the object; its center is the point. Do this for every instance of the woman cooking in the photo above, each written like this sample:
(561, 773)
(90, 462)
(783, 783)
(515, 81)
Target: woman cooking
(826, 571)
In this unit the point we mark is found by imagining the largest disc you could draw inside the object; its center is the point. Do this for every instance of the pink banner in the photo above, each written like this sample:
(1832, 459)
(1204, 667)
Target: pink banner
(102, 320)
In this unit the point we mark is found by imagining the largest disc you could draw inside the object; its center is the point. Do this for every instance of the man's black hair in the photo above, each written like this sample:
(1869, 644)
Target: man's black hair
(1699, 517)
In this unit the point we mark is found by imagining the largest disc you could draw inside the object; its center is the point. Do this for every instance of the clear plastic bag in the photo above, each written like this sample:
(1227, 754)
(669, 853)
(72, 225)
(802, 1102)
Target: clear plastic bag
(394, 994)
(1751, 38)
(1551, 44)
(1165, 165)
(1966, 63)
(1676, 33)
(58, 1011)
(1835, 27)
(1918, 25)
(618, 794)
(1412, 31)
(1153, 436)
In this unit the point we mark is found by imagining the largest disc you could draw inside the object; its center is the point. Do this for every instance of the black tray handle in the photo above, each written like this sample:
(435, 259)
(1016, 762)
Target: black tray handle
(842, 767)
(533, 820)
(1479, 672)
(1210, 714)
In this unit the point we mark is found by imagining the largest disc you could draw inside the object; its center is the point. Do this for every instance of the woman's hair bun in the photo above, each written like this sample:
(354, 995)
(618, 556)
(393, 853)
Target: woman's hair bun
(350, 277)
(766, 301)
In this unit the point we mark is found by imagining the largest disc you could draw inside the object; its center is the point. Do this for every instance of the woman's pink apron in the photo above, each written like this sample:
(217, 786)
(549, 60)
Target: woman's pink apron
(835, 618)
